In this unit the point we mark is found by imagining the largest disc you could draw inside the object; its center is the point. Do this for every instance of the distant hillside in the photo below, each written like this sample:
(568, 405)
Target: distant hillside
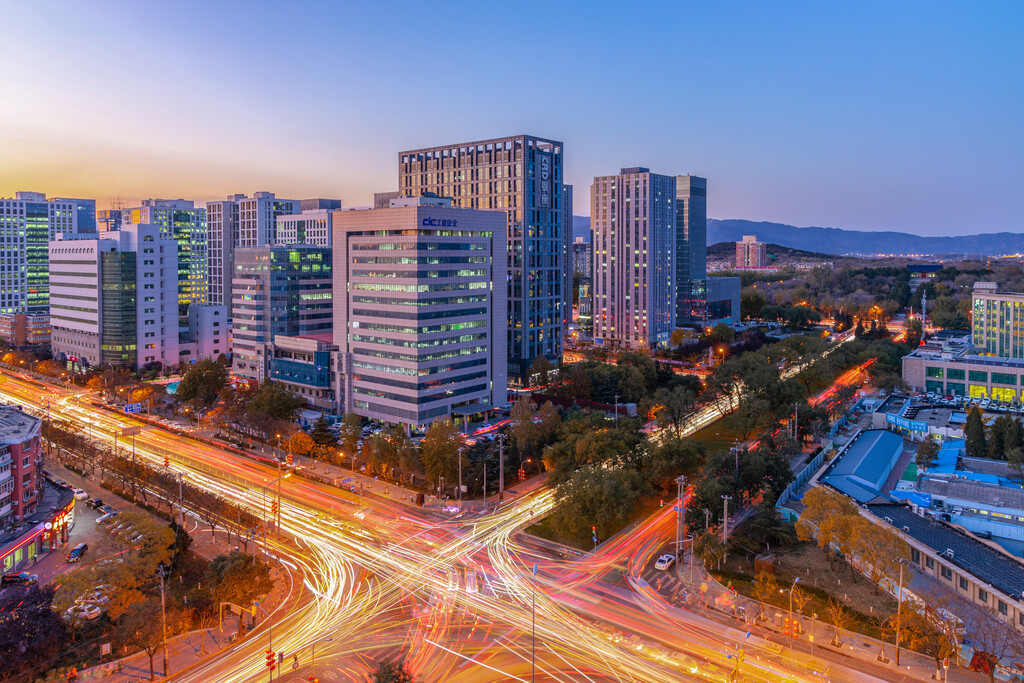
(819, 242)
(838, 241)
(728, 249)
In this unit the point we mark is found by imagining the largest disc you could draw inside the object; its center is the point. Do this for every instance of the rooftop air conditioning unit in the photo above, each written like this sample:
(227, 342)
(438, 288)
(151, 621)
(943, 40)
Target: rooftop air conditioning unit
(949, 553)
(906, 529)
(889, 519)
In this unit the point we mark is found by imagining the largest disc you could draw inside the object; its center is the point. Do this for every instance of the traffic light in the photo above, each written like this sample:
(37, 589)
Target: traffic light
(785, 627)
(274, 507)
(271, 660)
(291, 461)
(661, 502)
(314, 679)
(167, 461)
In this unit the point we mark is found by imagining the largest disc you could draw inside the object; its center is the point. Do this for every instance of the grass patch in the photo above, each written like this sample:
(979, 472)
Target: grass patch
(547, 529)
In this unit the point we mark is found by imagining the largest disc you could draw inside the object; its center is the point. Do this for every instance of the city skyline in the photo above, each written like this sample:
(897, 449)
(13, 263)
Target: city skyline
(827, 116)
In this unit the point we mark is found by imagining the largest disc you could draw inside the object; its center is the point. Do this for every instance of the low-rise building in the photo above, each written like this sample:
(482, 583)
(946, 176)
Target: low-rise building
(21, 464)
(303, 365)
(22, 330)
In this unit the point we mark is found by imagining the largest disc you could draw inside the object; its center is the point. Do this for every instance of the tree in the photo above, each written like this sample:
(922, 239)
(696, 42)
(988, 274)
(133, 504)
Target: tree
(674, 406)
(541, 369)
(709, 547)
(993, 637)
(239, 578)
(391, 671)
(597, 497)
(323, 437)
(918, 631)
(31, 632)
(272, 400)
(826, 518)
(927, 451)
(523, 430)
(764, 588)
(350, 423)
(974, 430)
(879, 549)
(142, 626)
(548, 421)
(440, 451)
(203, 381)
(1015, 457)
(800, 599)
(838, 617)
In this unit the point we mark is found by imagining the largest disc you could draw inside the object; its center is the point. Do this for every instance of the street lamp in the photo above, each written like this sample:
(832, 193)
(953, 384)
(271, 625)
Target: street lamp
(270, 628)
(791, 618)
(322, 640)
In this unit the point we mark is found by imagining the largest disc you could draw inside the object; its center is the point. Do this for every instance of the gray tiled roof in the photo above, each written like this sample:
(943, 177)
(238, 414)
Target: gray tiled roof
(971, 555)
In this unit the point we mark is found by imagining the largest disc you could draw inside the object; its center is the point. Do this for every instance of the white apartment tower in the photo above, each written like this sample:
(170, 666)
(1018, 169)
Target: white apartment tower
(420, 310)
(240, 221)
(634, 242)
(115, 300)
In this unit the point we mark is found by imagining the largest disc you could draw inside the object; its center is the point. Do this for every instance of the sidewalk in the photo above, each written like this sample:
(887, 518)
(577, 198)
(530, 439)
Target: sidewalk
(705, 595)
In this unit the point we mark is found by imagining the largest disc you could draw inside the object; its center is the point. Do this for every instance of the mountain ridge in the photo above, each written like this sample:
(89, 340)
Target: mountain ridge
(844, 242)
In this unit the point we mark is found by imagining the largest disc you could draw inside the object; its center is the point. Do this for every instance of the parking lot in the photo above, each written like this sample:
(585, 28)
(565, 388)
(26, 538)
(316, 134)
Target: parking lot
(984, 403)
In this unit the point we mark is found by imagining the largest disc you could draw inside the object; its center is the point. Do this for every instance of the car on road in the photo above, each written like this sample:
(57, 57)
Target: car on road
(80, 494)
(95, 503)
(665, 562)
(20, 579)
(76, 553)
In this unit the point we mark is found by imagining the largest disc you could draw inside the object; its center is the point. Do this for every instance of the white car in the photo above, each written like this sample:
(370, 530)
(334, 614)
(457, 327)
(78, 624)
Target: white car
(665, 562)
(103, 519)
(83, 612)
(80, 494)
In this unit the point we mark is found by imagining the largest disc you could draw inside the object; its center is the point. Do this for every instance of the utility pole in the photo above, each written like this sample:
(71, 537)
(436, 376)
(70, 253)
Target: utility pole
(725, 520)
(616, 410)
(796, 421)
(680, 515)
(277, 520)
(181, 500)
(163, 613)
(460, 476)
(899, 611)
(533, 610)
(501, 468)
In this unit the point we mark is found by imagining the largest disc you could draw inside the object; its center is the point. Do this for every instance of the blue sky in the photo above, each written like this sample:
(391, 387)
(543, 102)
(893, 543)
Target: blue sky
(862, 115)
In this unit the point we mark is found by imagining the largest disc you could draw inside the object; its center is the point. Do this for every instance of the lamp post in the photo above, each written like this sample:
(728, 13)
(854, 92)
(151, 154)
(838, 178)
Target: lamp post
(616, 410)
(460, 476)
(322, 640)
(791, 618)
(533, 610)
(899, 612)
(162, 572)
(270, 629)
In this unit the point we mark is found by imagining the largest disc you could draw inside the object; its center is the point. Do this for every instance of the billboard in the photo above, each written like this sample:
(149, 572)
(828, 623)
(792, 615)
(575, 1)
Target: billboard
(545, 180)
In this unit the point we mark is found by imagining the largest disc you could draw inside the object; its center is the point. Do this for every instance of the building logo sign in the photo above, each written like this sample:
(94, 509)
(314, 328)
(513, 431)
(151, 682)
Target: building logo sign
(441, 222)
(544, 161)
(904, 423)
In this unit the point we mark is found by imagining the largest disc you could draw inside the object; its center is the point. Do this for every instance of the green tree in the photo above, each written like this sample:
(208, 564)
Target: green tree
(540, 370)
(1015, 457)
(709, 547)
(325, 440)
(272, 400)
(203, 381)
(440, 451)
(391, 671)
(350, 431)
(673, 407)
(974, 430)
(602, 498)
(523, 430)
(927, 451)
(238, 577)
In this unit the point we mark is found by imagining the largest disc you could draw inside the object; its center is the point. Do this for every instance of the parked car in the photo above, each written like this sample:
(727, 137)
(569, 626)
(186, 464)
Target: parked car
(20, 579)
(95, 503)
(80, 494)
(83, 612)
(665, 562)
(103, 519)
(108, 508)
(76, 553)
(97, 595)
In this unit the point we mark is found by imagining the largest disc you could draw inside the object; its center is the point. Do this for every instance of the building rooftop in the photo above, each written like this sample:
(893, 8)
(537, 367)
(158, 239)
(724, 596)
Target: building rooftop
(53, 498)
(991, 566)
(17, 426)
(862, 470)
(974, 490)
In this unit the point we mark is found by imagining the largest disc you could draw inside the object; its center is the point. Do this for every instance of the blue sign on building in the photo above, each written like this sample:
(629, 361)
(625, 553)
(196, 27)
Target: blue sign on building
(904, 423)
(133, 408)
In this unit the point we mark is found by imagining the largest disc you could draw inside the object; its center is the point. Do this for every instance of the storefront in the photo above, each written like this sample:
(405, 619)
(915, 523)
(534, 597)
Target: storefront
(43, 537)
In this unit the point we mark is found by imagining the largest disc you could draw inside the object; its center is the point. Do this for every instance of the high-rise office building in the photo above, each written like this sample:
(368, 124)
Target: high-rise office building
(997, 321)
(582, 258)
(382, 200)
(691, 241)
(108, 220)
(115, 300)
(319, 203)
(181, 221)
(751, 254)
(312, 226)
(277, 290)
(522, 177)
(633, 216)
(27, 224)
(85, 213)
(242, 221)
(419, 318)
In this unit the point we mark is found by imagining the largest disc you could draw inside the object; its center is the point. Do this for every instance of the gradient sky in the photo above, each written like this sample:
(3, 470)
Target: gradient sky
(862, 115)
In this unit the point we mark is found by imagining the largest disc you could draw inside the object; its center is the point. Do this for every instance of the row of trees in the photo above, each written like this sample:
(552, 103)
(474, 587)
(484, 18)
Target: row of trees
(1003, 440)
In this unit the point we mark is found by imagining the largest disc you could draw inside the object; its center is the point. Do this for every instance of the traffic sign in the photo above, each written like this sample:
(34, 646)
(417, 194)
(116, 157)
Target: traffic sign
(133, 408)
(130, 431)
